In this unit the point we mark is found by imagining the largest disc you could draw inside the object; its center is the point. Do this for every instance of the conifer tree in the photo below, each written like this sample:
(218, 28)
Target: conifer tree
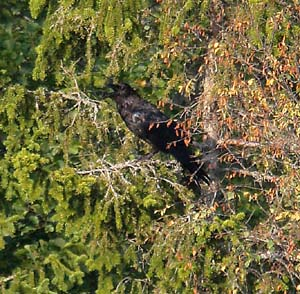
(81, 213)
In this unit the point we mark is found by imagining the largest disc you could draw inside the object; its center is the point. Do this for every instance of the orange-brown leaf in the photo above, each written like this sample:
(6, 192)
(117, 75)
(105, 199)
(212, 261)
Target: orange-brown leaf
(187, 141)
(151, 126)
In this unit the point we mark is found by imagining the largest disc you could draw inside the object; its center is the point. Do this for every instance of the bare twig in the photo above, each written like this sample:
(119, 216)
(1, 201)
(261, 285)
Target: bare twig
(7, 279)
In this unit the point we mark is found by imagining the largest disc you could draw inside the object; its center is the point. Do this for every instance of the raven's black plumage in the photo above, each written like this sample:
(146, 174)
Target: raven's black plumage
(153, 126)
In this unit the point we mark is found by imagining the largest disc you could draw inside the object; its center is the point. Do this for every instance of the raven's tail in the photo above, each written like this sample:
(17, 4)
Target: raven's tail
(188, 162)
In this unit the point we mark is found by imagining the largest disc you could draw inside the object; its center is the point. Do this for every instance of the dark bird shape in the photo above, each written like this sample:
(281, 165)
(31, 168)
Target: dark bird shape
(151, 125)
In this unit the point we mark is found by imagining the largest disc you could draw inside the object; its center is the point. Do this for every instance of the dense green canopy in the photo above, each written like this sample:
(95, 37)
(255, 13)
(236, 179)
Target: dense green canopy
(80, 213)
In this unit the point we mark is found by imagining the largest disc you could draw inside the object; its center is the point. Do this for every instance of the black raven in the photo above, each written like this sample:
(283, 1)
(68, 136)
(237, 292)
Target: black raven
(154, 127)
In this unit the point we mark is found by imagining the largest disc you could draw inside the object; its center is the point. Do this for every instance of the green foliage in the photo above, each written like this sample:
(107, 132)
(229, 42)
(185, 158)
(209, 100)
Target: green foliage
(36, 7)
(73, 209)
(74, 30)
(79, 213)
(19, 36)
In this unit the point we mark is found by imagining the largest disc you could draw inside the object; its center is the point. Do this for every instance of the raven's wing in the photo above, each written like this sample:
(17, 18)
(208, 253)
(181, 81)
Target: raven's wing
(141, 116)
(150, 124)
(165, 135)
(154, 127)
